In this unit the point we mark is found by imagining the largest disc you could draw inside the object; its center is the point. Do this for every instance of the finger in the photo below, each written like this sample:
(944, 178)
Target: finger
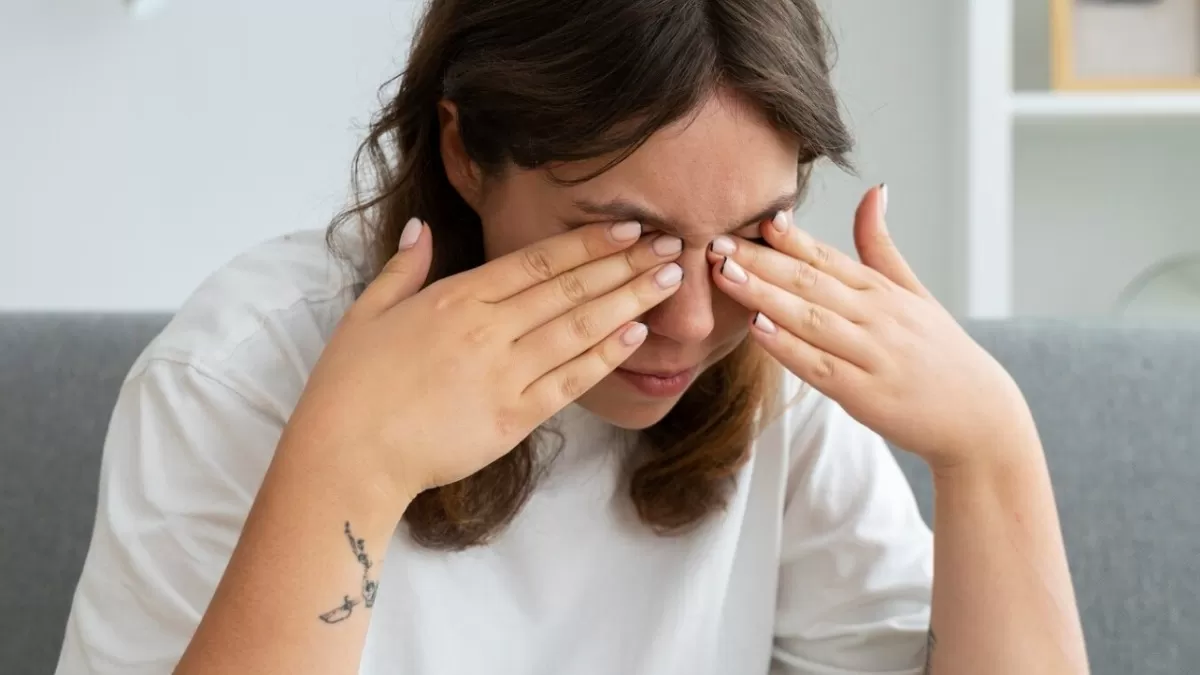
(833, 376)
(817, 325)
(875, 246)
(783, 235)
(403, 275)
(543, 260)
(792, 275)
(550, 299)
(560, 387)
(553, 344)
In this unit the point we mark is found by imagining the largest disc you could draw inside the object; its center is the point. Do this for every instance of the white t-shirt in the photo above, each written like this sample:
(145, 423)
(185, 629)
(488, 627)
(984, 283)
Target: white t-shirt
(820, 565)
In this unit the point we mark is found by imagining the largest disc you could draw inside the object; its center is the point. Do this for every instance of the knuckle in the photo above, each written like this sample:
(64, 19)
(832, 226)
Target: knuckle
(537, 263)
(447, 294)
(641, 296)
(629, 257)
(804, 277)
(597, 246)
(445, 301)
(582, 326)
(572, 287)
(821, 254)
(571, 387)
(814, 317)
(825, 368)
(611, 356)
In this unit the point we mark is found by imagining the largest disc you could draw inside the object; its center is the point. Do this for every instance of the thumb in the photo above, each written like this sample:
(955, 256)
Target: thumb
(875, 246)
(404, 274)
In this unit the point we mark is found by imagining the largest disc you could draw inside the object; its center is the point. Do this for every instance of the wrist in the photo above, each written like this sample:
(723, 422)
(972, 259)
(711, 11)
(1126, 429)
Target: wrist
(333, 475)
(1015, 448)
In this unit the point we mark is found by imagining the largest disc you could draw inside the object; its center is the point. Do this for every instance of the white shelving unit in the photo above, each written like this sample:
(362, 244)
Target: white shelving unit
(1036, 106)
(1000, 121)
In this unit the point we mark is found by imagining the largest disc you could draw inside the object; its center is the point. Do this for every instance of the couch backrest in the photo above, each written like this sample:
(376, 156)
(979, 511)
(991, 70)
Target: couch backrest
(1119, 414)
(59, 376)
(1119, 411)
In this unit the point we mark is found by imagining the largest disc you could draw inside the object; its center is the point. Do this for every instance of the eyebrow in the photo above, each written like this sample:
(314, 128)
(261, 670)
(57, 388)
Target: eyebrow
(621, 209)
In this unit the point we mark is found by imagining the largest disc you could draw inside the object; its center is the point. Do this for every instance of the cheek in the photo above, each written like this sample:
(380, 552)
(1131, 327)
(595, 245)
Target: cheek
(513, 217)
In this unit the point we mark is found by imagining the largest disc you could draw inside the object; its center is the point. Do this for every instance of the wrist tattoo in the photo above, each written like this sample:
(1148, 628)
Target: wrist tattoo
(930, 643)
(369, 586)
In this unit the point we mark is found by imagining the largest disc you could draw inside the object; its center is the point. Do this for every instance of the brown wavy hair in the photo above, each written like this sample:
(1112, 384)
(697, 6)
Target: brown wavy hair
(541, 81)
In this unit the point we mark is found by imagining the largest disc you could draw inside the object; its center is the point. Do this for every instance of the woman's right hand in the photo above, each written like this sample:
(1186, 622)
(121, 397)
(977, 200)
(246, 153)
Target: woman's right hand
(421, 388)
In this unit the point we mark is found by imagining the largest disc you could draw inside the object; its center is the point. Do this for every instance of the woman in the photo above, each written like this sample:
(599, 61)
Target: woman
(558, 425)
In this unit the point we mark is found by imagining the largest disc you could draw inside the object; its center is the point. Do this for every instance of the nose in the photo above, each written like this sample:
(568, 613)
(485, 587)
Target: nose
(686, 316)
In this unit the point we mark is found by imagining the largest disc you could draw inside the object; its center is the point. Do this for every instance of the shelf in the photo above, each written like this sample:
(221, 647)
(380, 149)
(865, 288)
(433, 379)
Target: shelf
(1051, 106)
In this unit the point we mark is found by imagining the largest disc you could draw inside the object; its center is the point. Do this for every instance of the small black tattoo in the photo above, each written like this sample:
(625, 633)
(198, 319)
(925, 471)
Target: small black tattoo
(930, 643)
(369, 586)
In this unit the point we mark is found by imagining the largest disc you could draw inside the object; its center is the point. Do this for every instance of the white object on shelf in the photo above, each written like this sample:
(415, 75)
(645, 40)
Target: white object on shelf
(1056, 105)
(1169, 290)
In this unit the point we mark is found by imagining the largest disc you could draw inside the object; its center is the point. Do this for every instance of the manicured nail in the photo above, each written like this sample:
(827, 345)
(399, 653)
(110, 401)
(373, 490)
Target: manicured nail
(624, 232)
(764, 324)
(781, 222)
(669, 276)
(667, 245)
(733, 271)
(634, 335)
(723, 245)
(883, 199)
(410, 234)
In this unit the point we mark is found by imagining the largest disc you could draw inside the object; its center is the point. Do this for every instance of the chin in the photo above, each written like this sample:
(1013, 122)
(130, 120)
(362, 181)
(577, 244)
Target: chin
(618, 404)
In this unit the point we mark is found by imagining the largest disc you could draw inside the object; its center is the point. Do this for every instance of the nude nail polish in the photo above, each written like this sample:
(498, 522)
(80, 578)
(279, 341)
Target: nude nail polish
(733, 272)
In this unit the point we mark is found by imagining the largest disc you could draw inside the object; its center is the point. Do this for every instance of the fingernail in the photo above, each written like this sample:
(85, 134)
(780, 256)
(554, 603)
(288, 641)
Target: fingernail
(624, 232)
(410, 234)
(764, 324)
(634, 335)
(723, 245)
(780, 222)
(667, 245)
(669, 276)
(883, 199)
(733, 271)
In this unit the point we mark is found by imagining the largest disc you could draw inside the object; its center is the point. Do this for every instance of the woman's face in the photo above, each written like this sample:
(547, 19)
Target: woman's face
(723, 171)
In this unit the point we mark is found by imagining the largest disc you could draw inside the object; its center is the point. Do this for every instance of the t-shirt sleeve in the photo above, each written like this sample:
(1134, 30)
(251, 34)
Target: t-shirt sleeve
(856, 557)
(183, 459)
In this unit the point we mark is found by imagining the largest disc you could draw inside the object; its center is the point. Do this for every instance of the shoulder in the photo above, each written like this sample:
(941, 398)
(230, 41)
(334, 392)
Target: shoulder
(258, 324)
(829, 457)
(806, 421)
(856, 560)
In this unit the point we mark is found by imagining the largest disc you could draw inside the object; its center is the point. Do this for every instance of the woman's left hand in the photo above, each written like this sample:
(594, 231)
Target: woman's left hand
(873, 339)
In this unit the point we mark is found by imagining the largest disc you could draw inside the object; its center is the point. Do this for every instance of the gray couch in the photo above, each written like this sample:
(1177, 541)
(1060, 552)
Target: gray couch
(1119, 409)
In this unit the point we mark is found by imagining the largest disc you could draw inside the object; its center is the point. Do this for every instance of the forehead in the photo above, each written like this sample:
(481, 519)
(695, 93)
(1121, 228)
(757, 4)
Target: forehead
(706, 173)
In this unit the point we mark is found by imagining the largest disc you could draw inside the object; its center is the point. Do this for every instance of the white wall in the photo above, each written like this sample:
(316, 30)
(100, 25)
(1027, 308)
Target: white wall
(138, 155)
(896, 77)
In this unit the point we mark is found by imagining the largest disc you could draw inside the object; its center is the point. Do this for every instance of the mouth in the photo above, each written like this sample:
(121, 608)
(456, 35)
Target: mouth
(658, 383)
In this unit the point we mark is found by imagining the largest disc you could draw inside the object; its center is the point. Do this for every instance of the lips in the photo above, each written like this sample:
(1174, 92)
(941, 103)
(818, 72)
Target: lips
(660, 383)
(659, 373)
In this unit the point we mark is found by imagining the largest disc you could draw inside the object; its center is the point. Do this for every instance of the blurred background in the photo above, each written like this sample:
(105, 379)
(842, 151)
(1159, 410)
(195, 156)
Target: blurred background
(143, 145)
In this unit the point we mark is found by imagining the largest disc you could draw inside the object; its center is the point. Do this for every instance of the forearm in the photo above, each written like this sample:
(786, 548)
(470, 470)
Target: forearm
(296, 595)
(1003, 602)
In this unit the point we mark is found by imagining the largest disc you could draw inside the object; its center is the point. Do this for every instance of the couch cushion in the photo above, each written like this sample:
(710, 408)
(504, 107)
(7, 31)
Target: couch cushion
(1119, 411)
(59, 376)
(1119, 414)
